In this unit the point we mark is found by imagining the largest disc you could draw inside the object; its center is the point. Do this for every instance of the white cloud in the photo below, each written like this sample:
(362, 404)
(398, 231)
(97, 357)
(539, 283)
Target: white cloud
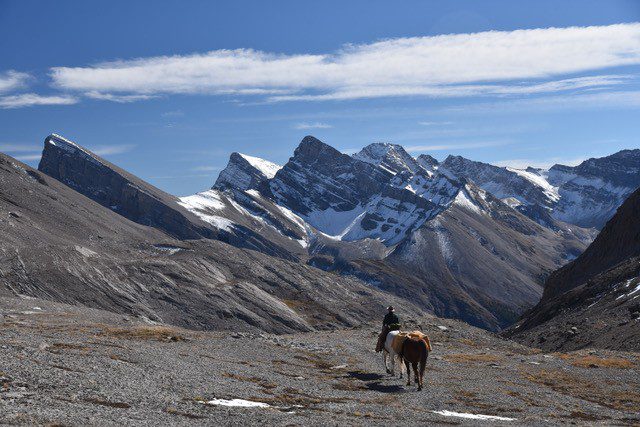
(175, 113)
(18, 148)
(11, 80)
(435, 123)
(31, 99)
(122, 99)
(28, 157)
(435, 66)
(577, 101)
(455, 146)
(312, 125)
(206, 168)
(112, 149)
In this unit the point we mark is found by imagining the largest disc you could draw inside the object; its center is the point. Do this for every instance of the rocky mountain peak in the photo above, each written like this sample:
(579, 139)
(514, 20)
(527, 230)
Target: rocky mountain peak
(427, 162)
(391, 157)
(245, 172)
(311, 148)
(118, 190)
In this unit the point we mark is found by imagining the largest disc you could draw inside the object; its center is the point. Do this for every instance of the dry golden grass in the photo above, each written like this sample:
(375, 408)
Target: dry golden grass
(576, 386)
(259, 381)
(293, 303)
(591, 361)
(102, 402)
(58, 347)
(470, 343)
(471, 358)
(291, 396)
(157, 333)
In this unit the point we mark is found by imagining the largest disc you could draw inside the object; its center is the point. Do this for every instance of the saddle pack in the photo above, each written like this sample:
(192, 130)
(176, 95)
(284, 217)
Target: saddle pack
(399, 340)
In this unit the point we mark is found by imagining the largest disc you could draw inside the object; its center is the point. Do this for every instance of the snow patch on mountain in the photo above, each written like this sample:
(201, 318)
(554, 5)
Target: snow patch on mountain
(268, 169)
(209, 199)
(444, 244)
(333, 223)
(203, 203)
(549, 190)
(463, 199)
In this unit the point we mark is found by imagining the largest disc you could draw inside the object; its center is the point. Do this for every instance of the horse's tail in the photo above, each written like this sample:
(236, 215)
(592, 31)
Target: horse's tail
(424, 353)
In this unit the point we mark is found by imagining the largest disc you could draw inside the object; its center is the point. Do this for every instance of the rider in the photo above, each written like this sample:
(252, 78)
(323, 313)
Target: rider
(391, 320)
(390, 323)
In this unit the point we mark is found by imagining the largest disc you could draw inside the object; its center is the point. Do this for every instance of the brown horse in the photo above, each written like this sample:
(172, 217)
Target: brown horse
(415, 351)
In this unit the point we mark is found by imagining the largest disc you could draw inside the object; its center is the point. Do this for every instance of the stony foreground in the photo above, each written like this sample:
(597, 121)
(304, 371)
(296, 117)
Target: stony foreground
(63, 365)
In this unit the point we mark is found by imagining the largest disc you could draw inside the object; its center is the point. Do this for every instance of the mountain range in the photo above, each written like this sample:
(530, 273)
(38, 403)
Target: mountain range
(325, 239)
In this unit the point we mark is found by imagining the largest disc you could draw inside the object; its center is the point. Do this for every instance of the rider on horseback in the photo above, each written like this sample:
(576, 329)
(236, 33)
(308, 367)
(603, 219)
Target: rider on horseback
(391, 320)
(390, 323)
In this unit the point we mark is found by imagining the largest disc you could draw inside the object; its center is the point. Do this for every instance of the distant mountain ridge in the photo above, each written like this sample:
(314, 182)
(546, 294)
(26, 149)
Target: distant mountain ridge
(586, 195)
(358, 215)
(416, 228)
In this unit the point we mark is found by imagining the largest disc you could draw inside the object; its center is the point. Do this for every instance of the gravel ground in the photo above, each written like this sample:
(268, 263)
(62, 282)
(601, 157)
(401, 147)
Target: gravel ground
(64, 365)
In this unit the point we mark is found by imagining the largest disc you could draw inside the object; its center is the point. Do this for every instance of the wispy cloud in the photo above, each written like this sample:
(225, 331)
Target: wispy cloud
(109, 150)
(122, 99)
(455, 146)
(577, 101)
(206, 168)
(483, 64)
(175, 113)
(435, 123)
(18, 148)
(11, 80)
(31, 99)
(28, 157)
(312, 125)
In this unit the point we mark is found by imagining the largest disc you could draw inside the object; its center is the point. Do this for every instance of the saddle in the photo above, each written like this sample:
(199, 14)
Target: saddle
(398, 340)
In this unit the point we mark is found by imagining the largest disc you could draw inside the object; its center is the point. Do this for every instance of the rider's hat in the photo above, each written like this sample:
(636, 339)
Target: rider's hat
(390, 308)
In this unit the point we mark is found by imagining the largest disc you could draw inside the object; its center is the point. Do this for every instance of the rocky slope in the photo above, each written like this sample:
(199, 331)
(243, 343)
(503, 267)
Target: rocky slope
(593, 301)
(59, 245)
(65, 365)
(407, 229)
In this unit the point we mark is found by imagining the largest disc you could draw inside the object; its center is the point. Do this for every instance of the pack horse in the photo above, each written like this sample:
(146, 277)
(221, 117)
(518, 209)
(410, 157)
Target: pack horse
(410, 348)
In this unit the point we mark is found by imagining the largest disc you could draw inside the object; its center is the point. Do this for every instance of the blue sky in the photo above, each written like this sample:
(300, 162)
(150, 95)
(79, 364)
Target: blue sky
(168, 90)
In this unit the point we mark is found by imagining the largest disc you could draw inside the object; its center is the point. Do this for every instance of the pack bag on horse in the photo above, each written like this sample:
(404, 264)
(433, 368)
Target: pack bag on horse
(412, 348)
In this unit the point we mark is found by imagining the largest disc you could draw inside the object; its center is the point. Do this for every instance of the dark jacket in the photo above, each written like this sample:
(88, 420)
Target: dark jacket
(391, 319)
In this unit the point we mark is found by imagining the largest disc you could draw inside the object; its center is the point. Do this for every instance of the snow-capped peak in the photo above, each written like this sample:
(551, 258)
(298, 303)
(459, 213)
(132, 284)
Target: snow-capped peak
(245, 172)
(268, 169)
(391, 157)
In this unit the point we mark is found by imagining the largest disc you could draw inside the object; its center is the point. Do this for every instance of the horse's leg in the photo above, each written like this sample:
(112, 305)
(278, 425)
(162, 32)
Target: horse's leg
(415, 373)
(406, 362)
(400, 365)
(384, 360)
(423, 365)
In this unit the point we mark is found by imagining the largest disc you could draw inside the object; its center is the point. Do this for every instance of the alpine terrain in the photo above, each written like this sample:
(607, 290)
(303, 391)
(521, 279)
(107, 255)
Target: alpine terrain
(457, 238)
(594, 300)
(405, 225)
